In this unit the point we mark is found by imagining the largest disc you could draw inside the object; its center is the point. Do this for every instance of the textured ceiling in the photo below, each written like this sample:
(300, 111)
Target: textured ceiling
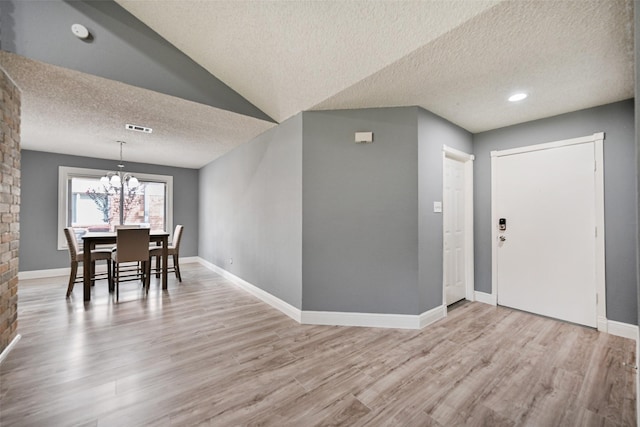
(458, 59)
(69, 112)
(287, 56)
(567, 55)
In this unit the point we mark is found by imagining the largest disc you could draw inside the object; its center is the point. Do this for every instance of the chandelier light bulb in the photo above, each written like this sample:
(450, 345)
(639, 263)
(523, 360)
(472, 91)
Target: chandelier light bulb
(133, 182)
(115, 181)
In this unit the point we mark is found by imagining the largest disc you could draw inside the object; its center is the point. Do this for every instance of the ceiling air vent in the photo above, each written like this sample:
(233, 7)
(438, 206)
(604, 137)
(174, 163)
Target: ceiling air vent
(138, 128)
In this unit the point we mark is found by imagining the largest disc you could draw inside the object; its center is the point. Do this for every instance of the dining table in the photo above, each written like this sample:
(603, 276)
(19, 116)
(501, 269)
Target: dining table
(93, 238)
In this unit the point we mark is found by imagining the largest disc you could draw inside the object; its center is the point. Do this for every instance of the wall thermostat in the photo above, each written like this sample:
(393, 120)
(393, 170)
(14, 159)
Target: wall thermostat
(364, 137)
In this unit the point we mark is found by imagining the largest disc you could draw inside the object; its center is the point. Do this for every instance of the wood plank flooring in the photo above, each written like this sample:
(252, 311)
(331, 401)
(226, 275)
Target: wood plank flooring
(206, 353)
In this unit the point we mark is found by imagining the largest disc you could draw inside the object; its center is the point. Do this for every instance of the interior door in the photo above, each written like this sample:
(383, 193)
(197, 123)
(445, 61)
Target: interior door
(546, 253)
(453, 210)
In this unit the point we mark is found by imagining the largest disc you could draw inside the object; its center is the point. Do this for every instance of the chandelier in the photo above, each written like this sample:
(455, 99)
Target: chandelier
(116, 181)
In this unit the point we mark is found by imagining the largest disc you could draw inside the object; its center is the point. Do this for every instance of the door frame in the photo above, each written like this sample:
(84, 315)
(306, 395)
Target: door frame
(467, 160)
(598, 140)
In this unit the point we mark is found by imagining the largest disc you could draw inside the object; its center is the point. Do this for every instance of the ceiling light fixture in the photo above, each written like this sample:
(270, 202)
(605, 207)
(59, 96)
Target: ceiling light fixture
(116, 181)
(518, 97)
(121, 184)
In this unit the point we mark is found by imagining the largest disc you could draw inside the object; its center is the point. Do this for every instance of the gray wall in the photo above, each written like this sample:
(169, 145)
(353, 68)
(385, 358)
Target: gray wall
(251, 211)
(636, 50)
(326, 224)
(39, 209)
(360, 211)
(123, 49)
(433, 133)
(617, 121)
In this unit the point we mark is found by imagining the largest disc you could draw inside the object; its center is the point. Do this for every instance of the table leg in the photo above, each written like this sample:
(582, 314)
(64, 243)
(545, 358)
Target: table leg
(165, 259)
(86, 270)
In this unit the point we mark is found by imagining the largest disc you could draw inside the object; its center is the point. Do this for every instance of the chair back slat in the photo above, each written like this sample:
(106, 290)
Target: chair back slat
(132, 244)
(72, 243)
(126, 227)
(177, 236)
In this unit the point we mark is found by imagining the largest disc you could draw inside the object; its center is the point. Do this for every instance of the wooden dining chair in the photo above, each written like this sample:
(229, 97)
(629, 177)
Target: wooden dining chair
(127, 226)
(173, 250)
(76, 256)
(132, 245)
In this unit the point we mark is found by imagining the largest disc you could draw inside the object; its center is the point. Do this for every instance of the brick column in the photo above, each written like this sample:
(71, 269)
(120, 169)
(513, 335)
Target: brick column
(9, 208)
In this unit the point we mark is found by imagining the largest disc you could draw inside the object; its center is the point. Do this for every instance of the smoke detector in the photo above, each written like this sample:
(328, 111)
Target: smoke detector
(80, 31)
(138, 128)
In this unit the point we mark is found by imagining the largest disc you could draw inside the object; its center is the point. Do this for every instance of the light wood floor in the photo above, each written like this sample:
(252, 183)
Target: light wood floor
(207, 353)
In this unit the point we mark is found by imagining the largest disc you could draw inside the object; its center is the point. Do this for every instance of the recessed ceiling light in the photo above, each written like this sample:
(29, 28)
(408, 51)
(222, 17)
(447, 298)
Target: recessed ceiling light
(518, 97)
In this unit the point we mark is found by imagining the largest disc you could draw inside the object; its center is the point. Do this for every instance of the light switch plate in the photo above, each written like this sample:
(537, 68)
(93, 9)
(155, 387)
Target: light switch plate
(437, 207)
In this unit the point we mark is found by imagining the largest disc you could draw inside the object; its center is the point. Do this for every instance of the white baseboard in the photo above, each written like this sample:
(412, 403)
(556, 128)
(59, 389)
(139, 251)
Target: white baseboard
(624, 330)
(334, 318)
(10, 347)
(275, 302)
(372, 320)
(40, 274)
(100, 268)
(432, 316)
(602, 324)
(486, 298)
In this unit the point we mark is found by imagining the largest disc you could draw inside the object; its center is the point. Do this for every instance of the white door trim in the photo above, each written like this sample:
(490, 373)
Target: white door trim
(548, 145)
(598, 140)
(467, 159)
(601, 289)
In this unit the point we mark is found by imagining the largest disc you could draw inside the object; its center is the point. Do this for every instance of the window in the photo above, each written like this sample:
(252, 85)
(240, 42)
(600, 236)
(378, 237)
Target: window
(87, 203)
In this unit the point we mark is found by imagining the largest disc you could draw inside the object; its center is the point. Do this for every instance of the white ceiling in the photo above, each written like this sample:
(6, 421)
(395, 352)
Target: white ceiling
(458, 59)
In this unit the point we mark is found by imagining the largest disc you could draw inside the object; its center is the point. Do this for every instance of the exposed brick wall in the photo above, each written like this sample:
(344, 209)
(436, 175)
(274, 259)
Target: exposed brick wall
(9, 208)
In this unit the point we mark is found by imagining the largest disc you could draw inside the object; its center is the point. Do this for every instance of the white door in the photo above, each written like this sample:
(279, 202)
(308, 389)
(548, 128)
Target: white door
(453, 210)
(546, 257)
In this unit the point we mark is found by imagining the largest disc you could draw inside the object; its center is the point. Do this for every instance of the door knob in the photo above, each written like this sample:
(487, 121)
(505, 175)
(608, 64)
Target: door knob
(502, 238)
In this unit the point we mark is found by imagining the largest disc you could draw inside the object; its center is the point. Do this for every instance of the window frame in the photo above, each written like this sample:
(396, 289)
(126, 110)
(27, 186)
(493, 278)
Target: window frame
(67, 172)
